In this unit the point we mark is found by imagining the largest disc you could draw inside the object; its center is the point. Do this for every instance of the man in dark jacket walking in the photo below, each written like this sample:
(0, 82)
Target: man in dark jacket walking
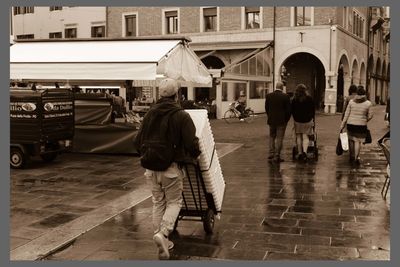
(167, 185)
(277, 107)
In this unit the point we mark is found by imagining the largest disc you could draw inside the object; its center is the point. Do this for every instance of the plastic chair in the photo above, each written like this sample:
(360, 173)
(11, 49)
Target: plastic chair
(385, 145)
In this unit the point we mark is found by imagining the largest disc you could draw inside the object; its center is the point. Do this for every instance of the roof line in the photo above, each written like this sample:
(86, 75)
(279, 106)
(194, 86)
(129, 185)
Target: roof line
(158, 38)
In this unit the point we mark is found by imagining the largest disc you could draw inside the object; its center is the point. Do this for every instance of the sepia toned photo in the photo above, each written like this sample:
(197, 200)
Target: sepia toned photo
(199, 133)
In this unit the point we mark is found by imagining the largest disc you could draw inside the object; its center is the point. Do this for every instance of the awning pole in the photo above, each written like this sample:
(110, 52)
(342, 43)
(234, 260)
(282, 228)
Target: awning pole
(273, 51)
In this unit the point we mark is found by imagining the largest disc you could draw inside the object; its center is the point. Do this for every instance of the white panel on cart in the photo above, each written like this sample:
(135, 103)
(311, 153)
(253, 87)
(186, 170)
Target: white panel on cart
(208, 161)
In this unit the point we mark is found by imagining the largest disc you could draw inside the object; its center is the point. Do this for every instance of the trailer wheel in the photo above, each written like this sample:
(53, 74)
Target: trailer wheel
(49, 157)
(17, 158)
(208, 222)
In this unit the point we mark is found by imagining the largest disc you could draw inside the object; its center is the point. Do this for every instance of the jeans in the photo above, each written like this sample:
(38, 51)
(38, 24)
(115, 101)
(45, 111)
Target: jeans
(166, 190)
(276, 134)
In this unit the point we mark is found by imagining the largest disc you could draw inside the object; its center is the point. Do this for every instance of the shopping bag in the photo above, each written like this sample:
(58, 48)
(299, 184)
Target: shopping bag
(368, 138)
(344, 140)
(339, 149)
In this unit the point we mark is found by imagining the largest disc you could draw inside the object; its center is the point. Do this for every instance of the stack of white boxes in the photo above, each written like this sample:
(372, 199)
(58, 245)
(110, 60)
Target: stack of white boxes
(208, 161)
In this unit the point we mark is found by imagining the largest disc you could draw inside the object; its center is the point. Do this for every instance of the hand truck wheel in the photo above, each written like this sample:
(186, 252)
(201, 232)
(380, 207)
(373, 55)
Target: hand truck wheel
(208, 221)
(176, 224)
(294, 152)
(316, 154)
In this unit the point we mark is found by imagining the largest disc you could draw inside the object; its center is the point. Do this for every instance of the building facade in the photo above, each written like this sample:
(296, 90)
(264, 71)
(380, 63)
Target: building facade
(250, 48)
(50, 22)
(245, 48)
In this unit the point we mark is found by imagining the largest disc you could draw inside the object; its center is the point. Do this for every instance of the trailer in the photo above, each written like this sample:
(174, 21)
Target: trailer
(41, 124)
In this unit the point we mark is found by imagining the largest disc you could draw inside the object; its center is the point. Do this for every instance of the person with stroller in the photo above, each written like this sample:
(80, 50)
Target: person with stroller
(303, 112)
(356, 117)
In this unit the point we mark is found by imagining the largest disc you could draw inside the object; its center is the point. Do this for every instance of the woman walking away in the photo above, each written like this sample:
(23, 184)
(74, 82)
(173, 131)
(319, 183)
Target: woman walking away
(352, 95)
(303, 112)
(356, 117)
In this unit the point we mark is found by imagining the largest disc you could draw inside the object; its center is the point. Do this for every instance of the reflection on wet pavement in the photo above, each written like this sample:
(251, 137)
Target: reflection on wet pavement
(45, 196)
(325, 210)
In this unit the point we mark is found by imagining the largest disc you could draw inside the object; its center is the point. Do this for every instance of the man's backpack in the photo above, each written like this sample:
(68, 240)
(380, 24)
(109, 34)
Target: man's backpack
(157, 148)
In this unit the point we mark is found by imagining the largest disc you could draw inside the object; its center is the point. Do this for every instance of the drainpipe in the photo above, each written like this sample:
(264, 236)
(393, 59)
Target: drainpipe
(330, 47)
(368, 45)
(273, 51)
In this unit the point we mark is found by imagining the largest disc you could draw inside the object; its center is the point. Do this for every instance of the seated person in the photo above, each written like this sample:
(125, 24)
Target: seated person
(240, 104)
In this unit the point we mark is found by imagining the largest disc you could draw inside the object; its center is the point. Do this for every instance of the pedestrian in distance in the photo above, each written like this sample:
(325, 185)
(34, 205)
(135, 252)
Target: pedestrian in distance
(277, 107)
(166, 141)
(240, 104)
(387, 119)
(356, 117)
(352, 95)
(303, 112)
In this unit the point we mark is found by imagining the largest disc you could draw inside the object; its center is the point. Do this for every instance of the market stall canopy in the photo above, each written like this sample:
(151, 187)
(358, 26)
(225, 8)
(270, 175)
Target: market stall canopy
(130, 59)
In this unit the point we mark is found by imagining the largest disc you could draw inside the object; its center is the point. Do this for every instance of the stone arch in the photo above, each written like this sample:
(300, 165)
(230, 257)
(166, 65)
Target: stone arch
(343, 80)
(213, 62)
(295, 50)
(370, 81)
(388, 72)
(363, 74)
(307, 69)
(384, 84)
(378, 81)
(343, 56)
(383, 73)
(371, 64)
(378, 67)
(355, 78)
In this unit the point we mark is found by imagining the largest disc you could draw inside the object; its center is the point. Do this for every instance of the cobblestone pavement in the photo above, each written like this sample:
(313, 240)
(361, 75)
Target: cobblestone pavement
(292, 211)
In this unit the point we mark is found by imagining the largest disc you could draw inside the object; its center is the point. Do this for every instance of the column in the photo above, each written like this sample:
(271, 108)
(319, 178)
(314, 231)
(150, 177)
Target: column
(122, 92)
(230, 88)
(330, 95)
(218, 100)
(190, 93)
(346, 85)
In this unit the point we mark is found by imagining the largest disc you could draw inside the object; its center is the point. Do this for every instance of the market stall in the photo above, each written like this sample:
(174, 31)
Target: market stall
(107, 62)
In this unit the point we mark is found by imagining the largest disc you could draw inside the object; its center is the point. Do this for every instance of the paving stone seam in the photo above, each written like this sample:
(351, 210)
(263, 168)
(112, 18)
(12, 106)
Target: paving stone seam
(50, 242)
(58, 237)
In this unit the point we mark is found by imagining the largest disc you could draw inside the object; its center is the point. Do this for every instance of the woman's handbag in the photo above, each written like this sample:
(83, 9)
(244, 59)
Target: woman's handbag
(368, 138)
(344, 141)
(339, 149)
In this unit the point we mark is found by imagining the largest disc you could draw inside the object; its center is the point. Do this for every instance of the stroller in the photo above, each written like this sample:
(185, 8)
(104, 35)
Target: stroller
(312, 150)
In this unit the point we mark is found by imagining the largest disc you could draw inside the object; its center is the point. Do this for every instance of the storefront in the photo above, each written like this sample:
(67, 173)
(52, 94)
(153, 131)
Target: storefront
(250, 75)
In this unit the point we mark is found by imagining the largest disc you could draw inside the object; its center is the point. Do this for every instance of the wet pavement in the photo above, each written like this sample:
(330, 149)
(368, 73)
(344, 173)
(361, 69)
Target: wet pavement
(325, 210)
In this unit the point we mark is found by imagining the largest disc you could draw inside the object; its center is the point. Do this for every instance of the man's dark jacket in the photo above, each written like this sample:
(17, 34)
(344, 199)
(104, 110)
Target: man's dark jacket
(181, 130)
(277, 107)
